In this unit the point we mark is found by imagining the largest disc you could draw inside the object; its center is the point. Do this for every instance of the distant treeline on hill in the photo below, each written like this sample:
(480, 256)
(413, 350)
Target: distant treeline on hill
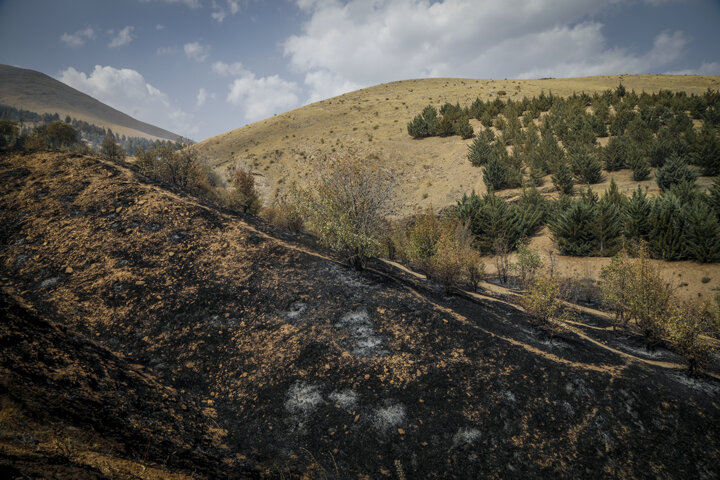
(92, 134)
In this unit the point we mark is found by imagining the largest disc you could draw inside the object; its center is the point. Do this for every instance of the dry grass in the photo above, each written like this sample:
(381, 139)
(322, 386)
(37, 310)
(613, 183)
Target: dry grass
(287, 148)
(372, 123)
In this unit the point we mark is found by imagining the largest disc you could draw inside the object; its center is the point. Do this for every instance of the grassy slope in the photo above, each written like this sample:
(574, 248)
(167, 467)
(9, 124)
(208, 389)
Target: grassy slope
(433, 171)
(372, 122)
(37, 92)
(300, 363)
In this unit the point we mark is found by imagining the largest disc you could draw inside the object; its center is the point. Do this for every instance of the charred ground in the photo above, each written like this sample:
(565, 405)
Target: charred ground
(234, 351)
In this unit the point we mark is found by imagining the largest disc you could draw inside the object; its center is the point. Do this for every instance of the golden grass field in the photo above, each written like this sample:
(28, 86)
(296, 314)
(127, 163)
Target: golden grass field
(432, 172)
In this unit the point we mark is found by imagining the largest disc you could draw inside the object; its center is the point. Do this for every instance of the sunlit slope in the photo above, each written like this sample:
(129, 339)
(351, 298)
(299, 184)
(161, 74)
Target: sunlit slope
(372, 123)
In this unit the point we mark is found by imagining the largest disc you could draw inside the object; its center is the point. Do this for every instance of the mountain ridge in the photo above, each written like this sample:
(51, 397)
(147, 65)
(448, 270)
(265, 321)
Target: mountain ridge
(40, 93)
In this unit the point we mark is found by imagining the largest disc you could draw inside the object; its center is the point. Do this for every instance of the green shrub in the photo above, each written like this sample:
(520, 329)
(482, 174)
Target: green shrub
(345, 207)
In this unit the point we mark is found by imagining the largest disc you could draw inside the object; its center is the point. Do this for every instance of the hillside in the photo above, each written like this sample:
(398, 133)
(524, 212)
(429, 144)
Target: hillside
(435, 172)
(278, 361)
(37, 92)
(373, 123)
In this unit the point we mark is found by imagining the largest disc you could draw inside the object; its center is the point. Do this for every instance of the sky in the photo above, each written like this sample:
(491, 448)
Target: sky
(203, 67)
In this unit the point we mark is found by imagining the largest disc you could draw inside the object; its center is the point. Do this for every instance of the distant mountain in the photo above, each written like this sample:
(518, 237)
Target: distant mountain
(37, 92)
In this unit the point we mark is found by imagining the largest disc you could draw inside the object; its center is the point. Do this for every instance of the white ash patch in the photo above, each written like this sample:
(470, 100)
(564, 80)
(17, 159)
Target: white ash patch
(711, 388)
(49, 282)
(508, 396)
(347, 277)
(295, 310)
(345, 399)
(303, 398)
(388, 418)
(366, 341)
(465, 436)
(644, 352)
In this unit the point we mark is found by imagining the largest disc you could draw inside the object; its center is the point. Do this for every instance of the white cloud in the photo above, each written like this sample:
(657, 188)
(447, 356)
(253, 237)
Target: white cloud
(196, 51)
(229, 69)
(159, 27)
(126, 90)
(349, 44)
(78, 38)
(202, 97)
(122, 38)
(220, 12)
(188, 3)
(262, 97)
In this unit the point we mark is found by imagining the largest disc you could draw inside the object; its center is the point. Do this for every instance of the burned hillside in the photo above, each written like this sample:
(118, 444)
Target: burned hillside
(281, 361)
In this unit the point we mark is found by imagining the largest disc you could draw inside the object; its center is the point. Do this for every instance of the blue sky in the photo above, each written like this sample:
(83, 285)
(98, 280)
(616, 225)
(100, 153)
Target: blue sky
(203, 67)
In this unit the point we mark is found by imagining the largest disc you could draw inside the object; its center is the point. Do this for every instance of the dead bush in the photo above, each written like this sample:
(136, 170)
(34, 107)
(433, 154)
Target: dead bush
(284, 215)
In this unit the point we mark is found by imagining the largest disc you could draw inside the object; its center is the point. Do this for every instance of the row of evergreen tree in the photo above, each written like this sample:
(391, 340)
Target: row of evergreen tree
(570, 116)
(646, 129)
(452, 120)
(680, 224)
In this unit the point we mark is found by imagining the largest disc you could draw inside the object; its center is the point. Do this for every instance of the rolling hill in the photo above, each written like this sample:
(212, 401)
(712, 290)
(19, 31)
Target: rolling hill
(151, 335)
(37, 92)
(372, 123)
(434, 172)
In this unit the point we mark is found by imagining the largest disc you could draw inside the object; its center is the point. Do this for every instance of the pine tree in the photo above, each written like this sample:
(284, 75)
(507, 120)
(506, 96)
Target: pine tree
(706, 153)
(608, 226)
(464, 129)
(430, 116)
(481, 149)
(585, 165)
(674, 171)
(666, 228)
(573, 229)
(418, 127)
(636, 217)
(614, 195)
(615, 153)
(702, 232)
(713, 198)
(640, 167)
(562, 179)
(495, 174)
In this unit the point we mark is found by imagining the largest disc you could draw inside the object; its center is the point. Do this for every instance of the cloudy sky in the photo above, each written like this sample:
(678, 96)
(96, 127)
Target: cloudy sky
(203, 67)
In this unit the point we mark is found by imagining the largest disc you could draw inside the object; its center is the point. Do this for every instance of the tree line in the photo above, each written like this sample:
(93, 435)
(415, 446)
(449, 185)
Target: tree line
(93, 135)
